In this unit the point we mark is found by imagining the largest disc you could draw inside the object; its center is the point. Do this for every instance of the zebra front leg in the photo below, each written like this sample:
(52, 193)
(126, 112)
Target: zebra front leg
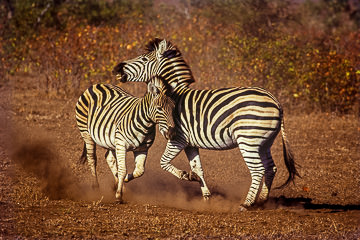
(140, 159)
(172, 149)
(196, 168)
(111, 161)
(121, 167)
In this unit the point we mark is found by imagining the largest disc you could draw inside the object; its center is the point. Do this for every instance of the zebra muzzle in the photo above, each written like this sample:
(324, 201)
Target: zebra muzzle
(119, 69)
(120, 76)
(123, 78)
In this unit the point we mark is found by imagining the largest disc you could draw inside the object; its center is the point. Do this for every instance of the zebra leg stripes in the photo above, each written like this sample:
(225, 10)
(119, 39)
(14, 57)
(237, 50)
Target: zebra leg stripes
(171, 151)
(173, 148)
(112, 163)
(140, 159)
(120, 151)
(192, 154)
(89, 154)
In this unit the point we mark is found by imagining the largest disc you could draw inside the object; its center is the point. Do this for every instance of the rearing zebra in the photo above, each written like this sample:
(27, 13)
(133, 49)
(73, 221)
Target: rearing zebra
(112, 118)
(248, 118)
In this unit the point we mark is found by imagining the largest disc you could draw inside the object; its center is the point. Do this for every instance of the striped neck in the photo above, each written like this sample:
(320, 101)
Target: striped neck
(146, 110)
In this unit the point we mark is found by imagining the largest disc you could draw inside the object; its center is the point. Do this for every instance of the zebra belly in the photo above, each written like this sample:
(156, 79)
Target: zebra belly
(228, 134)
(217, 141)
(212, 147)
(106, 139)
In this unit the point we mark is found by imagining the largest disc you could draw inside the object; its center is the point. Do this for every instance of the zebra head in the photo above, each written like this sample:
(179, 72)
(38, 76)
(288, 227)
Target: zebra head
(161, 59)
(161, 107)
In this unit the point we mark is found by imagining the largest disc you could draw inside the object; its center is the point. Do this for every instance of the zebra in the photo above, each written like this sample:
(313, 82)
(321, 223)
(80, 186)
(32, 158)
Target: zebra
(249, 118)
(110, 117)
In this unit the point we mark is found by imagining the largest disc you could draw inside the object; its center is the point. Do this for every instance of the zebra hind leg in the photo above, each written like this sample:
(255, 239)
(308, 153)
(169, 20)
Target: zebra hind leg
(270, 171)
(90, 150)
(253, 161)
(82, 158)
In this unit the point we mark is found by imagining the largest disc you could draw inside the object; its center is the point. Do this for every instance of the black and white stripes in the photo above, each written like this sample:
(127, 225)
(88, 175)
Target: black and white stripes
(248, 118)
(111, 118)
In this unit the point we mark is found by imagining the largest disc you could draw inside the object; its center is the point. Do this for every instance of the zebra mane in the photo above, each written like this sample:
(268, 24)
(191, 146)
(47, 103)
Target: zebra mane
(171, 51)
(154, 44)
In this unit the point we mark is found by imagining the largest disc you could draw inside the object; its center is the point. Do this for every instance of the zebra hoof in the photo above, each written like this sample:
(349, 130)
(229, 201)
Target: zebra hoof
(185, 176)
(128, 177)
(119, 201)
(242, 208)
(206, 198)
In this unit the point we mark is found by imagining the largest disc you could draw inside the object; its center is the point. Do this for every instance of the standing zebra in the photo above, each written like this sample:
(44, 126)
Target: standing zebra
(248, 118)
(112, 118)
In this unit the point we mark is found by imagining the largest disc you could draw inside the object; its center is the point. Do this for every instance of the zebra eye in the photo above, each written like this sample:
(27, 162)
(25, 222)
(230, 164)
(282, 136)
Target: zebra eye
(145, 59)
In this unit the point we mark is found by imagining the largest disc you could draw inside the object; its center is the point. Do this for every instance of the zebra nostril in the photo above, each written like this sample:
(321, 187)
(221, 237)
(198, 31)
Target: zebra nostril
(119, 69)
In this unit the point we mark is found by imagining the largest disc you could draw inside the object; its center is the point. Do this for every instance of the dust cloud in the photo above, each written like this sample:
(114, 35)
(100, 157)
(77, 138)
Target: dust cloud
(171, 192)
(38, 156)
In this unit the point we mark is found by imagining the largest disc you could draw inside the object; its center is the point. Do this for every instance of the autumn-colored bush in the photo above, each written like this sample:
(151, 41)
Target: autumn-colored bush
(305, 60)
(320, 77)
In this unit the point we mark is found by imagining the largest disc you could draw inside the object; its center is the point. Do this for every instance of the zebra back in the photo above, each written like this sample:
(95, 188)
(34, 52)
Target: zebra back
(100, 97)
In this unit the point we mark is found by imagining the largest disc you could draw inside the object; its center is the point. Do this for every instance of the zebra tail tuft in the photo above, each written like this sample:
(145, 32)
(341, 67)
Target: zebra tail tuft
(288, 158)
(82, 159)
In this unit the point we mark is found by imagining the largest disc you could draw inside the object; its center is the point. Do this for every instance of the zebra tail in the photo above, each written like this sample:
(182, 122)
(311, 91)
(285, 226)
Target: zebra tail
(82, 159)
(288, 158)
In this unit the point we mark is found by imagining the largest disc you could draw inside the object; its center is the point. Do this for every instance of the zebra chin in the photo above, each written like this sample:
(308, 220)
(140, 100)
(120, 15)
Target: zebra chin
(123, 78)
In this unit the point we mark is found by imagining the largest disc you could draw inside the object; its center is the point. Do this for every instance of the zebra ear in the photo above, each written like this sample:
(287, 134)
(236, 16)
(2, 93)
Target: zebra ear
(153, 89)
(161, 49)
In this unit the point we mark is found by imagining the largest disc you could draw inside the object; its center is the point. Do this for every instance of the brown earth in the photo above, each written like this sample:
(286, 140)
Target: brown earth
(46, 194)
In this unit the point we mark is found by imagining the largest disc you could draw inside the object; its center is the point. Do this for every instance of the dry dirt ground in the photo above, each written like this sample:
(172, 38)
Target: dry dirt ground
(46, 194)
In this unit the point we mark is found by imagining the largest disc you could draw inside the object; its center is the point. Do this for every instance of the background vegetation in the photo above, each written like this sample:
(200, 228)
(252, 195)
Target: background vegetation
(307, 53)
